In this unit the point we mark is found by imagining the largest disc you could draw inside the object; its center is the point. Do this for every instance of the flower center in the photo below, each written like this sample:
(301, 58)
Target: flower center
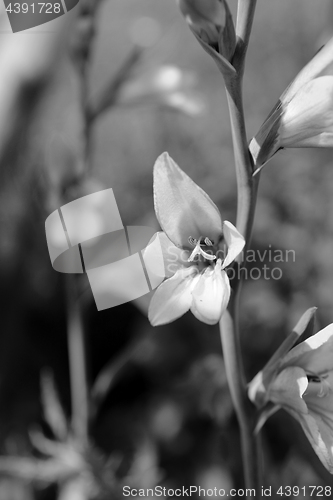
(198, 250)
(324, 386)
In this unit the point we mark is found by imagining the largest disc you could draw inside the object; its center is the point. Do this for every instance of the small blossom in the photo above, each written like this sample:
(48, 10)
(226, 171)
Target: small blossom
(191, 242)
(303, 115)
(168, 86)
(302, 383)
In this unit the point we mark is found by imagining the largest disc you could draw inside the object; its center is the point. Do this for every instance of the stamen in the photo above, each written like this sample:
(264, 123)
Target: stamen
(208, 242)
(198, 250)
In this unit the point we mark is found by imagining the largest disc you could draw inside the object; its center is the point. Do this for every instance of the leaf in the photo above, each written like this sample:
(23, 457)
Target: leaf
(53, 411)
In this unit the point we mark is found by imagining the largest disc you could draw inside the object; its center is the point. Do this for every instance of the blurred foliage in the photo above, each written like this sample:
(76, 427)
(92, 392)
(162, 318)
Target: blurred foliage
(167, 418)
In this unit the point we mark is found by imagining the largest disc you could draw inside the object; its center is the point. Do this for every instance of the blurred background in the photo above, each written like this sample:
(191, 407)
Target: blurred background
(162, 413)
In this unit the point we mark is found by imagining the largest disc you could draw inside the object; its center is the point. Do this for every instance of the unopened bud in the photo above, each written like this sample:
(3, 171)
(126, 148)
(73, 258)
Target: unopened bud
(212, 22)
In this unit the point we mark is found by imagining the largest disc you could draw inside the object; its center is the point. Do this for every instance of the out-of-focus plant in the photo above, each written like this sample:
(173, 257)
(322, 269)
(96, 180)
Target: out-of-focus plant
(81, 472)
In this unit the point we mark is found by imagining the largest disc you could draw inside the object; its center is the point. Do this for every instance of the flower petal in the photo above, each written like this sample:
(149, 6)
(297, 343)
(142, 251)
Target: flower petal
(288, 388)
(308, 120)
(320, 436)
(182, 208)
(173, 298)
(234, 240)
(204, 14)
(174, 258)
(314, 355)
(211, 295)
(321, 64)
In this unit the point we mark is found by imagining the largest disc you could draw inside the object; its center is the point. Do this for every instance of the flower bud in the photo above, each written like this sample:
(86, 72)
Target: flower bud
(206, 17)
(303, 115)
(212, 23)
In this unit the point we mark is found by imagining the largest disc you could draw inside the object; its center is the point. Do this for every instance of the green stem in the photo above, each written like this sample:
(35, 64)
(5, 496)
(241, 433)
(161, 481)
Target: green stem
(246, 201)
(77, 361)
(243, 407)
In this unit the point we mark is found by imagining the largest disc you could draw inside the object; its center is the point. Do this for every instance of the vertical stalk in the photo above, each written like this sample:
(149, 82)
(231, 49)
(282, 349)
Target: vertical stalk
(77, 362)
(246, 201)
(243, 407)
(81, 54)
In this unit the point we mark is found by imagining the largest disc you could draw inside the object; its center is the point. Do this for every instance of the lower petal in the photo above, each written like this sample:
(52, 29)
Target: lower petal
(234, 240)
(319, 435)
(211, 295)
(173, 298)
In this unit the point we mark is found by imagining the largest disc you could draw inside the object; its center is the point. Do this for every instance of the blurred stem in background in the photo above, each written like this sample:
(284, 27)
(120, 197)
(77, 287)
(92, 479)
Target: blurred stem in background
(81, 48)
(77, 361)
(246, 195)
(81, 51)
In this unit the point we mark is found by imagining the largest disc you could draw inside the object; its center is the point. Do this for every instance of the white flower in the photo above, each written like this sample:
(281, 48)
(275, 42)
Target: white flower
(302, 383)
(191, 244)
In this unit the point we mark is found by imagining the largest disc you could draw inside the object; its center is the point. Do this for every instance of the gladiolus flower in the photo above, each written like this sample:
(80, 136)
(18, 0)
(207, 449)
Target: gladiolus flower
(303, 116)
(302, 383)
(191, 242)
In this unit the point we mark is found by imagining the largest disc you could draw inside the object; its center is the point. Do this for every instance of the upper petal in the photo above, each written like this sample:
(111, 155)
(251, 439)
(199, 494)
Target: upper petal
(211, 295)
(288, 388)
(307, 120)
(234, 240)
(173, 298)
(320, 64)
(314, 355)
(182, 208)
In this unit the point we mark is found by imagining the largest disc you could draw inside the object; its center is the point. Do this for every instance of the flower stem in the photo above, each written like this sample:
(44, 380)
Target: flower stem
(243, 407)
(247, 186)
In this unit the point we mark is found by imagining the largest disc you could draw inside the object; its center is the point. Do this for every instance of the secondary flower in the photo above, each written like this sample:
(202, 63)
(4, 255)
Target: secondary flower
(303, 116)
(192, 245)
(302, 383)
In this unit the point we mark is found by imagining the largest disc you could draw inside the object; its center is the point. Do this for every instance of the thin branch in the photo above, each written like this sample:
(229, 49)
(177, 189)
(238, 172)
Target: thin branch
(77, 361)
(109, 95)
